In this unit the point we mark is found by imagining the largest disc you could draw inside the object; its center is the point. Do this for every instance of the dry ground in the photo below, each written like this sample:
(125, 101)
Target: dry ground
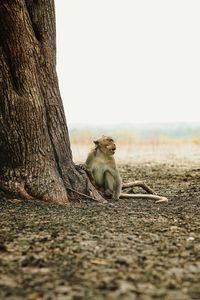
(120, 250)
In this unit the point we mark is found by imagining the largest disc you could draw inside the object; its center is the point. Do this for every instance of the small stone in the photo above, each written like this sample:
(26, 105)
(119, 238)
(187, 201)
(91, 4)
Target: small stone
(107, 235)
(190, 238)
(63, 289)
(185, 254)
(3, 247)
(122, 260)
(14, 201)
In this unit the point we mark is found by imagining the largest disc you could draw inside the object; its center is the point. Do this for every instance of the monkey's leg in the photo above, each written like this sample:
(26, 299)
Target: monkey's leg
(113, 184)
(108, 183)
(158, 199)
(140, 184)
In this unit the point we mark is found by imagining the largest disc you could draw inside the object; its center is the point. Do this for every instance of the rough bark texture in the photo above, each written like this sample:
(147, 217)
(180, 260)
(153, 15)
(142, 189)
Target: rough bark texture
(35, 155)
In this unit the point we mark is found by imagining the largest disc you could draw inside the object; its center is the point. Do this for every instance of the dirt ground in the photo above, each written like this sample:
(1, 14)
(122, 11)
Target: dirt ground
(130, 249)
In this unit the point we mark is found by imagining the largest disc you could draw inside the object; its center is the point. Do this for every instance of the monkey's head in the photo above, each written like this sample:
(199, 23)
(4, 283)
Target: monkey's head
(106, 144)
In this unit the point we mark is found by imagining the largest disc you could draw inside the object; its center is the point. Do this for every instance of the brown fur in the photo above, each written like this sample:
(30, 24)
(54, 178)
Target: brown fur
(101, 167)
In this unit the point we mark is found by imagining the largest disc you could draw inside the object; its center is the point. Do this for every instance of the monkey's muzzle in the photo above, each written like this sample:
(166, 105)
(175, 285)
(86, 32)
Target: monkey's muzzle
(112, 148)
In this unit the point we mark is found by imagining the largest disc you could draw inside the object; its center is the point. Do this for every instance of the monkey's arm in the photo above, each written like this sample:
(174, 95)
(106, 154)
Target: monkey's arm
(118, 187)
(90, 159)
(87, 166)
(89, 173)
(113, 182)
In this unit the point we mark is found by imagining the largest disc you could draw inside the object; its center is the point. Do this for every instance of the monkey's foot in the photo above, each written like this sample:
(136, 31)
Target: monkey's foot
(108, 193)
(83, 167)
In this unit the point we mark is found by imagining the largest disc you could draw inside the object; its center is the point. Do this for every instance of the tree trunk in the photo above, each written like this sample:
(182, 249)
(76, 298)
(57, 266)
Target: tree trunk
(35, 155)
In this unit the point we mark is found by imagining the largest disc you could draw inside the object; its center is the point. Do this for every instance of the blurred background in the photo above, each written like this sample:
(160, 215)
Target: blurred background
(131, 69)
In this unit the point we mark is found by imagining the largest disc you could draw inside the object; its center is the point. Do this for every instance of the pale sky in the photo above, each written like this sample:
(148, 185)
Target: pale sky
(129, 61)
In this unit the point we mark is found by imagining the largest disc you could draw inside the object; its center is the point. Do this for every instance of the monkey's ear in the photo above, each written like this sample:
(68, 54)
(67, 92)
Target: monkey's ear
(96, 142)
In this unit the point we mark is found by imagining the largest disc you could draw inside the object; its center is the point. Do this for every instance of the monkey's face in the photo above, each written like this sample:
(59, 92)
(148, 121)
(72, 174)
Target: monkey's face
(110, 148)
(106, 145)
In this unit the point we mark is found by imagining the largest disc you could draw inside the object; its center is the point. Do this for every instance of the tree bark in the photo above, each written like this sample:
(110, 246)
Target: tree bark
(35, 154)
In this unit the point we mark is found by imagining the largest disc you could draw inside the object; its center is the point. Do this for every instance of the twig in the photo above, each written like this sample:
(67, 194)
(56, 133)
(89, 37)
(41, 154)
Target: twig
(81, 194)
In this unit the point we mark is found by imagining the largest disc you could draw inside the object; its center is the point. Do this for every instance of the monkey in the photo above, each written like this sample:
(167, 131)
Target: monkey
(101, 168)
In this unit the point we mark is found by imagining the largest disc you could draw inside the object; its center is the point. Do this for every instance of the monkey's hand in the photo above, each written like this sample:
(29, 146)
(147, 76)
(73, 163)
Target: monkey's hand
(84, 167)
(89, 173)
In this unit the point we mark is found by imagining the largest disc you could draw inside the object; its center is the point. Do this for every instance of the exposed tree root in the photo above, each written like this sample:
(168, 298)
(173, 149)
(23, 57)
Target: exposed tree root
(158, 199)
(20, 190)
(128, 187)
(15, 189)
(49, 187)
(140, 184)
(53, 191)
(45, 185)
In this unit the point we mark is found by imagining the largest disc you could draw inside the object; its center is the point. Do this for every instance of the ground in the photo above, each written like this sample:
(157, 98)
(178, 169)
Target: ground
(130, 249)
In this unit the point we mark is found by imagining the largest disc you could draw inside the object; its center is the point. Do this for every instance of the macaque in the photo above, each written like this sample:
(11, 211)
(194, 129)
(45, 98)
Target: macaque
(101, 167)
(102, 170)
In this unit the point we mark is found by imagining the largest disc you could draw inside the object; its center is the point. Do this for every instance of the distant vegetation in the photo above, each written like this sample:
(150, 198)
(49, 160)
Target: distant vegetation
(139, 133)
